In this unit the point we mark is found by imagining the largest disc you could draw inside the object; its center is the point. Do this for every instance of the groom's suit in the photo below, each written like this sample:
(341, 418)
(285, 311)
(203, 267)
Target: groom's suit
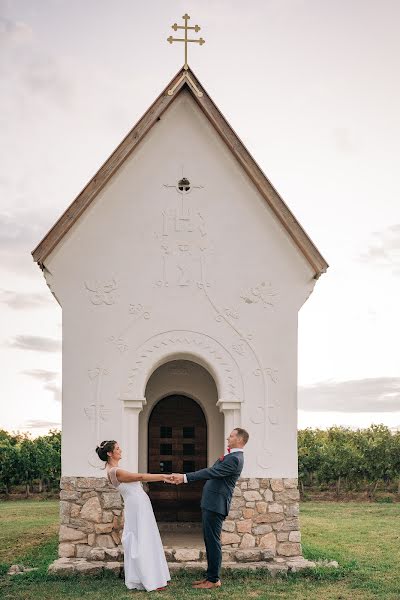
(215, 503)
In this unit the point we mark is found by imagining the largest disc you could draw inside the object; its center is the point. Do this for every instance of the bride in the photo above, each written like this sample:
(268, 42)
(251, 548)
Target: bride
(144, 559)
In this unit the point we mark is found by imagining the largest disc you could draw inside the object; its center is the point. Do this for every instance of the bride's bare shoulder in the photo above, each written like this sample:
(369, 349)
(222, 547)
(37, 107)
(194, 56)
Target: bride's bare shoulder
(112, 476)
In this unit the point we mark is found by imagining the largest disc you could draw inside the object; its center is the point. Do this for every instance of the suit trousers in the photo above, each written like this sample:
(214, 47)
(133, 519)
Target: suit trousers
(212, 526)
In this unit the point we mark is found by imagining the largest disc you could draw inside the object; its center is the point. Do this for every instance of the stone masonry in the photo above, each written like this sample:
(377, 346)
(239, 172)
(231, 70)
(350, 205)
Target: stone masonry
(261, 531)
(264, 518)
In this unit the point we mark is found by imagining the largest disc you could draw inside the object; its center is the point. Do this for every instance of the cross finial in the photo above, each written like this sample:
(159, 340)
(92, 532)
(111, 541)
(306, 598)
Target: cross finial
(186, 27)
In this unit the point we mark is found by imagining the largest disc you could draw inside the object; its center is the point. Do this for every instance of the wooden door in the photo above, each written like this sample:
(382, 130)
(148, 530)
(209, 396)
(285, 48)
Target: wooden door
(177, 443)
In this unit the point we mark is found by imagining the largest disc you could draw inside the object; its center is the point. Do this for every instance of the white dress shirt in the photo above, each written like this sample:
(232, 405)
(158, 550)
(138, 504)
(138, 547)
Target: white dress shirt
(232, 450)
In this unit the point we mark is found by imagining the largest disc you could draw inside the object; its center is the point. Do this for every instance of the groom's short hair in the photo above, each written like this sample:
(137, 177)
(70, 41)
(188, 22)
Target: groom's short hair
(242, 433)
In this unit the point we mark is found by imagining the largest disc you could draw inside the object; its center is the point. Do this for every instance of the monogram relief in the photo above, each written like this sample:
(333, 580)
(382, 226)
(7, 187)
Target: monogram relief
(183, 241)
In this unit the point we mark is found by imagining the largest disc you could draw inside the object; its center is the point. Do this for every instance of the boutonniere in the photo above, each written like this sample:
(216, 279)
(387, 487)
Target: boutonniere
(221, 458)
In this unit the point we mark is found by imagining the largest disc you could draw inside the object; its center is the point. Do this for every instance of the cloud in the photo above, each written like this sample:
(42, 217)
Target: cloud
(28, 67)
(49, 378)
(21, 300)
(41, 424)
(41, 374)
(381, 394)
(36, 343)
(56, 389)
(19, 230)
(384, 250)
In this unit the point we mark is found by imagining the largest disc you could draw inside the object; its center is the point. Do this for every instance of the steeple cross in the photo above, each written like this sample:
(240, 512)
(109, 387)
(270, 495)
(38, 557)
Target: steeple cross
(186, 28)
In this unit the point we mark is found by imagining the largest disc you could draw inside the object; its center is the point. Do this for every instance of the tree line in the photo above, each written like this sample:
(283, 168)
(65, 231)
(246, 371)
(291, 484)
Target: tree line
(27, 462)
(337, 457)
(350, 460)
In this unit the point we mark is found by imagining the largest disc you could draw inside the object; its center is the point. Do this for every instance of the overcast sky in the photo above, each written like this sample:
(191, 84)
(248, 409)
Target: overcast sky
(310, 86)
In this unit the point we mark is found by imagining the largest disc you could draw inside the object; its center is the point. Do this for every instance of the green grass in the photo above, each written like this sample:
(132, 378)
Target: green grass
(25, 525)
(363, 538)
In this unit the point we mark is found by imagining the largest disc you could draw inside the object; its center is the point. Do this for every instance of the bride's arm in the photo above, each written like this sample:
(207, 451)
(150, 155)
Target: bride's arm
(128, 477)
(159, 477)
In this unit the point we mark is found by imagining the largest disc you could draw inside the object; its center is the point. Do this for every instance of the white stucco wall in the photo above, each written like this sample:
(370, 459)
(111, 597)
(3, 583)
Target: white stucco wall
(147, 276)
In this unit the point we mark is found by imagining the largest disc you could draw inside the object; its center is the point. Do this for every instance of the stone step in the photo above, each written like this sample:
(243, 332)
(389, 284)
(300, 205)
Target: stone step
(245, 555)
(184, 554)
(272, 568)
(66, 566)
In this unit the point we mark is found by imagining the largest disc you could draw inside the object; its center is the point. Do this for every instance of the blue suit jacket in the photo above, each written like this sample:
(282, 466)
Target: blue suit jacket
(221, 479)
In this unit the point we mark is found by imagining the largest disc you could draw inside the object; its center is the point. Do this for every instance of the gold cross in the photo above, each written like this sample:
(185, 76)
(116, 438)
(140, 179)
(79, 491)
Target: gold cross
(196, 28)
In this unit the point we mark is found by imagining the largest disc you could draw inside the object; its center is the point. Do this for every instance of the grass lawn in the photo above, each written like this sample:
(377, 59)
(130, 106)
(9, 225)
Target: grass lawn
(363, 538)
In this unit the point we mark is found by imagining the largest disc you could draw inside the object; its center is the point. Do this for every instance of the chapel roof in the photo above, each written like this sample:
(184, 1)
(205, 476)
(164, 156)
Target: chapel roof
(183, 80)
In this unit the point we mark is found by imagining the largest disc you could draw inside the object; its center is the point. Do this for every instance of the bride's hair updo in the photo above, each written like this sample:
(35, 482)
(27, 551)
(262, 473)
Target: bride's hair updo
(106, 446)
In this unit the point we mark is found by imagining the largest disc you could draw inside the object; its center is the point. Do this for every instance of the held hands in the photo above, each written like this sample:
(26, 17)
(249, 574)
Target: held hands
(168, 479)
(175, 478)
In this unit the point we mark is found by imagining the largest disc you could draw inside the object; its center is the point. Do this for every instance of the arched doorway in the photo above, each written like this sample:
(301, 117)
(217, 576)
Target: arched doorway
(177, 443)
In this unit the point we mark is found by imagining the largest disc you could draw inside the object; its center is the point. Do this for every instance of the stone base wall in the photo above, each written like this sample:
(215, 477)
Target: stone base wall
(262, 525)
(91, 519)
(264, 516)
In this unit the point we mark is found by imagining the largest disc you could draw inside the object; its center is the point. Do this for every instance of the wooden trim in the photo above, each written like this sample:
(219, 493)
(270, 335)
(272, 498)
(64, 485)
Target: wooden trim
(235, 145)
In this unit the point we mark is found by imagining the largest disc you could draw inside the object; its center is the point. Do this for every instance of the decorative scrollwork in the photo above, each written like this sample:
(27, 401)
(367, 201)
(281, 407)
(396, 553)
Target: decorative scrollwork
(272, 374)
(96, 411)
(259, 416)
(101, 292)
(120, 344)
(232, 313)
(94, 373)
(262, 293)
(188, 342)
(239, 348)
(138, 310)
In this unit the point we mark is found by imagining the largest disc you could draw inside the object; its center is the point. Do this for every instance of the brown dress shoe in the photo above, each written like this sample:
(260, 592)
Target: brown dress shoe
(199, 581)
(207, 585)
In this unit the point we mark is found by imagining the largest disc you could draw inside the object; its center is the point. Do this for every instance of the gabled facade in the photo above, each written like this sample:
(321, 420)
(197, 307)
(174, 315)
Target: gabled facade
(180, 272)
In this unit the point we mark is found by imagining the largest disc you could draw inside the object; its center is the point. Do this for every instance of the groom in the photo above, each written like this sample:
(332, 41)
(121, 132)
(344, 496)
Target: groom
(216, 500)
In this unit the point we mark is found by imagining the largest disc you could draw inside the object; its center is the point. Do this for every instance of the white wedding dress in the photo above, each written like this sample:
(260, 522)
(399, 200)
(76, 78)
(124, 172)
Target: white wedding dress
(144, 559)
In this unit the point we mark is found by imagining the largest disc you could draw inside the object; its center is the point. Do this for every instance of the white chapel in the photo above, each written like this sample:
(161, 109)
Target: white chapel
(180, 272)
